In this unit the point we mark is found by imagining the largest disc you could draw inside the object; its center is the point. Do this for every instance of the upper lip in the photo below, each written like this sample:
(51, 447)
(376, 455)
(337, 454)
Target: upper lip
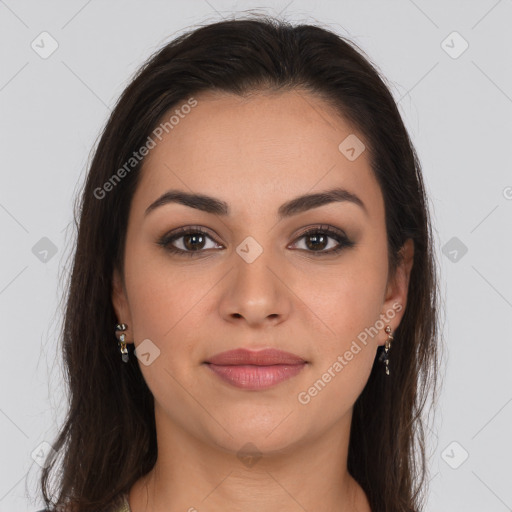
(266, 357)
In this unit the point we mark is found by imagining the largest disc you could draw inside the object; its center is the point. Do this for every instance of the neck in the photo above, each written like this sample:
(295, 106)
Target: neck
(191, 475)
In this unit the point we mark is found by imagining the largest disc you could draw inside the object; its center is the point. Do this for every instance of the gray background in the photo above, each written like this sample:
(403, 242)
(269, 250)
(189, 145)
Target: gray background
(457, 107)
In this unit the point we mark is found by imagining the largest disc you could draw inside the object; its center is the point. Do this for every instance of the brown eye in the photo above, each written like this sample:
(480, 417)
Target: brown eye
(317, 239)
(191, 240)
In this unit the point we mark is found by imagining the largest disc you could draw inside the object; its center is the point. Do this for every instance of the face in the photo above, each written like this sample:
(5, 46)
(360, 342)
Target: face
(253, 279)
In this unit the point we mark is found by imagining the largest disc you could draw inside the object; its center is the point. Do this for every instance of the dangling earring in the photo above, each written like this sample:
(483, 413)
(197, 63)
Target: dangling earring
(122, 341)
(384, 356)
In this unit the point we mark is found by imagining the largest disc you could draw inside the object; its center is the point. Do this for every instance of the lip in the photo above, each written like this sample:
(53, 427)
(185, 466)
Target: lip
(251, 370)
(266, 357)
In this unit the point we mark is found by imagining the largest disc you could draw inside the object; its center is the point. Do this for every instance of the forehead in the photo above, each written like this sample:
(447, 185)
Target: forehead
(255, 150)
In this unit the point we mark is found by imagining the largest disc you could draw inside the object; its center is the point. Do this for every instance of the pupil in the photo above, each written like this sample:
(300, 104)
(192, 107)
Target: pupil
(194, 238)
(315, 239)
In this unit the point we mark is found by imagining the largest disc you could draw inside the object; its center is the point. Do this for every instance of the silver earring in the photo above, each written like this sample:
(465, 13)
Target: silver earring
(122, 341)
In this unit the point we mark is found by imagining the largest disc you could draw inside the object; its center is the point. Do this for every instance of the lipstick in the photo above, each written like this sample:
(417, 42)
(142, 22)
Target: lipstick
(252, 370)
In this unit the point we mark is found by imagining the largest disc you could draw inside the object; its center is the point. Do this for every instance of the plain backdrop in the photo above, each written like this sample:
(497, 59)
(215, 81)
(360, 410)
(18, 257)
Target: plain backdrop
(448, 63)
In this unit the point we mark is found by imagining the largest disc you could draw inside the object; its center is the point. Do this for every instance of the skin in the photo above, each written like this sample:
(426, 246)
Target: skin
(256, 153)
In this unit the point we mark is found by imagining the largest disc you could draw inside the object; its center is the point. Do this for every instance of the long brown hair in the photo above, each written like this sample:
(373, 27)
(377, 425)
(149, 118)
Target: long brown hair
(108, 440)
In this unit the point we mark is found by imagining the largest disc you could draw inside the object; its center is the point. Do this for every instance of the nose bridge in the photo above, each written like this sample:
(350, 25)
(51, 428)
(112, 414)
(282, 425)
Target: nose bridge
(252, 262)
(255, 291)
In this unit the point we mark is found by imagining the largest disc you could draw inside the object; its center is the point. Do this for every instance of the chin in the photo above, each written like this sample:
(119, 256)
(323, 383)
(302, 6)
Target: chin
(257, 438)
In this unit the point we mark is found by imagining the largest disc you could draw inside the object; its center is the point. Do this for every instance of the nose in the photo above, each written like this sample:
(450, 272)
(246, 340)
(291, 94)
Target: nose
(256, 292)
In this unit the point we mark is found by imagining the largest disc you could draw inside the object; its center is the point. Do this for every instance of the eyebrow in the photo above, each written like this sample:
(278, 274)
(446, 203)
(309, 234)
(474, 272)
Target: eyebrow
(295, 206)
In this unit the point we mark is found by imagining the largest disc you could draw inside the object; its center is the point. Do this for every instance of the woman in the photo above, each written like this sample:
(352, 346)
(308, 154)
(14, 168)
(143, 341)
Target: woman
(252, 313)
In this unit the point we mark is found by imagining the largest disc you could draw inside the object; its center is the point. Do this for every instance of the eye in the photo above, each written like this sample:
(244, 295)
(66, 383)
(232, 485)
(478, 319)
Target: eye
(192, 240)
(317, 239)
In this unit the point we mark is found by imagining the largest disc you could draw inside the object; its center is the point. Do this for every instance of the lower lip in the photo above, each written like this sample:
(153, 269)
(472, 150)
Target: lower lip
(256, 377)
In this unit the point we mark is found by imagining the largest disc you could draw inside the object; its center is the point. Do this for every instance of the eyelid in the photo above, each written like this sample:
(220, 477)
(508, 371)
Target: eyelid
(321, 227)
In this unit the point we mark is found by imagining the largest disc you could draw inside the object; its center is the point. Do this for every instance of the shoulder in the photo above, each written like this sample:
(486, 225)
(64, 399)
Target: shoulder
(123, 504)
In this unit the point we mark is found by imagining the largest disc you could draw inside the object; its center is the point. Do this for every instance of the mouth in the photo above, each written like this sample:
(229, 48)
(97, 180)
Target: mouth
(255, 370)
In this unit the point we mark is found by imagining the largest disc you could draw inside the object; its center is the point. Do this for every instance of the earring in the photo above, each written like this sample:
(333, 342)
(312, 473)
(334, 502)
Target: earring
(384, 357)
(122, 341)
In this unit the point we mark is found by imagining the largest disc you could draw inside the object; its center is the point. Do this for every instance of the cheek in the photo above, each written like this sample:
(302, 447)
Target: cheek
(167, 303)
(163, 296)
(347, 301)
(164, 305)
(345, 343)
(333, 389)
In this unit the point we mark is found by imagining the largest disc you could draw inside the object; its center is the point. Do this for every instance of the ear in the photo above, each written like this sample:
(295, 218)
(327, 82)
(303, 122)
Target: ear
(120, 302)
(397, 288)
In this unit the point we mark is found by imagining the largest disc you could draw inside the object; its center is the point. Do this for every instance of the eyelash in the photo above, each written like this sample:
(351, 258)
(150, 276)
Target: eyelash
(166, 240)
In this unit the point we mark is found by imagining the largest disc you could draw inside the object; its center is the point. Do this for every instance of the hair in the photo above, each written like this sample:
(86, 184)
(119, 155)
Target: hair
(108, 439)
